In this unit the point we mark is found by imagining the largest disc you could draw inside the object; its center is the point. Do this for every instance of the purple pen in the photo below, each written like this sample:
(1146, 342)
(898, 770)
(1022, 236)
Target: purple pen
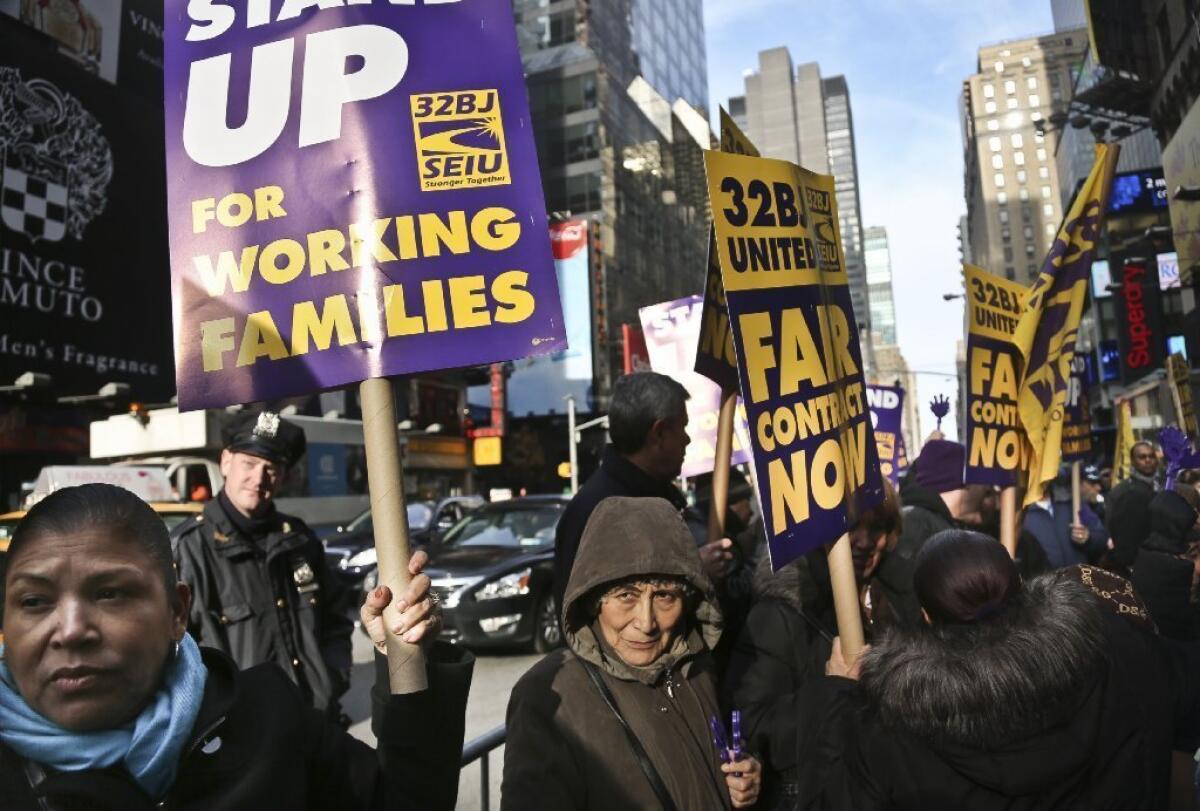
(718, 738)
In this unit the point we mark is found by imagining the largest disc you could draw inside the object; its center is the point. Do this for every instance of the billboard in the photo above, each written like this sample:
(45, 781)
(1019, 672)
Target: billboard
(84, 290)
(539, 385)
(672, 332)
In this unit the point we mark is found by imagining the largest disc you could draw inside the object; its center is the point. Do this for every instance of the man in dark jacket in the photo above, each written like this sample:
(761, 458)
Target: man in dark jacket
(1163, 575)
(647, 423)
(1067, 540)
(933, 495)
(262, 592)
(1128, 506)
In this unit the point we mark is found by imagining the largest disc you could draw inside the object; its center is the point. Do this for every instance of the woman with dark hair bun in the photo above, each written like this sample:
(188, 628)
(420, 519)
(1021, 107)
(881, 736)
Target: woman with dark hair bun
(1054, 693)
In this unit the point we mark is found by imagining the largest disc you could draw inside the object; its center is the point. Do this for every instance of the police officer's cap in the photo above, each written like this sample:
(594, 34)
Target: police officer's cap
(267, 435)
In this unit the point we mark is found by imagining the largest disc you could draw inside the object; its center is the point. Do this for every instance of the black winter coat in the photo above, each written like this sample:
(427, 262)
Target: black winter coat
(257, 744)
(1163, 579)
(617, 476)
(1127, 519)
(924, 514)
(268, 600)
(1090, 725)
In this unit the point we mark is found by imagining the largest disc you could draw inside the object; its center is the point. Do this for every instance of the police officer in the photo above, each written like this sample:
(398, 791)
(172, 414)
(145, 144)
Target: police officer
(260, 588)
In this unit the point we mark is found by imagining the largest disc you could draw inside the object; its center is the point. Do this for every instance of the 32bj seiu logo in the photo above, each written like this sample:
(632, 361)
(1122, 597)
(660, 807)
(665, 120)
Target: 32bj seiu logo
(460, 140)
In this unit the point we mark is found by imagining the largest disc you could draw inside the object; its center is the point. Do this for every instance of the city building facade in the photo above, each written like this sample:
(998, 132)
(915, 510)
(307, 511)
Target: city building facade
(793, 113)
(615, 148)
(1011, 182)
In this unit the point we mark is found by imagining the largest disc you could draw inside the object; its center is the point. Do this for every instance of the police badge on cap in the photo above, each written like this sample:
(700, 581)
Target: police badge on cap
(265, 434)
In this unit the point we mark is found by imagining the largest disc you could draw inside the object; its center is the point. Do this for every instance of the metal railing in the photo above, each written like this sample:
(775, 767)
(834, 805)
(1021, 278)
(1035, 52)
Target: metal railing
(480, 749)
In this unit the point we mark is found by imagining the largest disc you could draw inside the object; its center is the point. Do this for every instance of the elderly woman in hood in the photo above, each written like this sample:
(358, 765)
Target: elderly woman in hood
(621, 719)
(1055, 693)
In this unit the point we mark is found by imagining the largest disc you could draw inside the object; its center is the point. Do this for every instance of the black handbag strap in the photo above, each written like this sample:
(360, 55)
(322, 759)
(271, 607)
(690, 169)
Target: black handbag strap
(656, 783)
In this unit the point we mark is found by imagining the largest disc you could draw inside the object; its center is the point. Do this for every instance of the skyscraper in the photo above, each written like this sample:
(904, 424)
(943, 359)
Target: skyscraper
(794, 114)
(1011, 179)
(616, 147)
(878, 260)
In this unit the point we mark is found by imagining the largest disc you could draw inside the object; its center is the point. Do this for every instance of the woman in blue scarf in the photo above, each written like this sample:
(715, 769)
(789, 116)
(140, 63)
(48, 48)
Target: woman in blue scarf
(107, 703)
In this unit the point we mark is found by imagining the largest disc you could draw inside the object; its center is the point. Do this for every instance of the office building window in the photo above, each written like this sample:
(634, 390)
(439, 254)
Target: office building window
(1049, 229)
(1045, 192)
(1027, 62)
(993, 125)
(989, 107)
(1041, 153)
(1010, 87)
(989, 91)
(1008, 253)
(998, 179)
(1021, 176)
(997, 161)
(1013, 104)
(1009, 274)
(1005, 234)
(1038, 138)
(1016, 140)
(1023, 193)
(994, 143)
(1044, 172)
(999, 66)
(1031, 83)
(1029, 249)
(1028, 232)
(1003, 215)
(1019, 158)
(1048, 210)
(1035, 100)
(1001, 197)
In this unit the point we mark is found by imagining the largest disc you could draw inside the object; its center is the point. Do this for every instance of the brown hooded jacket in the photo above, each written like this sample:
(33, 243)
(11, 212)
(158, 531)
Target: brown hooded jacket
(565, 749)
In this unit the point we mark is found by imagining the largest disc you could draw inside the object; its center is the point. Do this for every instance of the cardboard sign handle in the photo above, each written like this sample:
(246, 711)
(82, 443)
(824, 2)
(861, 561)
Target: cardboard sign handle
(845, 598)
(720, 474)
(1008, 520)
(1075, 493)
(389, 515)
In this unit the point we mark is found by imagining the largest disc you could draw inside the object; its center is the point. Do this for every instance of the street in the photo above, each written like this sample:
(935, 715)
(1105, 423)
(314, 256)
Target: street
(495, 674)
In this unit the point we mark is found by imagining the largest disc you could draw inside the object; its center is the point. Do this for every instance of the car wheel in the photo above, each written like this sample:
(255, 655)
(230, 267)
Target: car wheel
(547, 635)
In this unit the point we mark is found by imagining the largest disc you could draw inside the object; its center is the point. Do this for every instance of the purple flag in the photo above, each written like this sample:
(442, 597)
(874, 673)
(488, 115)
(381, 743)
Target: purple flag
(353, 193)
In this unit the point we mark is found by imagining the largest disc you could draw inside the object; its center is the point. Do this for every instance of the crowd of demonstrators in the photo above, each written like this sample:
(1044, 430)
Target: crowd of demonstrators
(107, 702)
(621, 719)
(1066, 539)
(1128, 507)
(786, 642)
(261, 589)
(1049, 693)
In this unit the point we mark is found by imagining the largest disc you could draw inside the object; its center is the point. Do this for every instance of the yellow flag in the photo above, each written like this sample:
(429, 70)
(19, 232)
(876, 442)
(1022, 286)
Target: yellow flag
(1046, 332)
(1120, 468)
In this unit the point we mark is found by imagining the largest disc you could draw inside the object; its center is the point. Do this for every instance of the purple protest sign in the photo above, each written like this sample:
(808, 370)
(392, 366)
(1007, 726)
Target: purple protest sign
(1077, 415)
(672, 330)
(887, 411)
(348, 200)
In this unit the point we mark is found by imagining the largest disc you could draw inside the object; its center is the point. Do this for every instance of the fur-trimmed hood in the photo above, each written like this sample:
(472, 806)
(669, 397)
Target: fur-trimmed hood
(1006, 701)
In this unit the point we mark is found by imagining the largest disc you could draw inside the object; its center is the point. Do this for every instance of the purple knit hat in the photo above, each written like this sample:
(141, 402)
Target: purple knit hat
(940, 466)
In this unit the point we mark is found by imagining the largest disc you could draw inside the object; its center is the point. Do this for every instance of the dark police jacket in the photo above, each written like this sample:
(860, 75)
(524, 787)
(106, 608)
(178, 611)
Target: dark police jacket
(271, 600)
(257, 745)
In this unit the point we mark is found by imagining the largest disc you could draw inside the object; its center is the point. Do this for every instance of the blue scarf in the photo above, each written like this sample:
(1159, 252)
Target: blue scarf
(149, 747)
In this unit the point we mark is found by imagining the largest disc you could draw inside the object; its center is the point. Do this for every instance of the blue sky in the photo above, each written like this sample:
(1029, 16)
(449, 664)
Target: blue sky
(904, 61)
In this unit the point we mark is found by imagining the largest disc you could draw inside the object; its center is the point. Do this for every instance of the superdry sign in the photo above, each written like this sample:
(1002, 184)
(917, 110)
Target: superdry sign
(1139, 319)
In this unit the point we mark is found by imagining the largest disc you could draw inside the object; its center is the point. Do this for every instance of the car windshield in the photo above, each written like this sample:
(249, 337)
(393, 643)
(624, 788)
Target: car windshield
(419, 516)
(507, 525)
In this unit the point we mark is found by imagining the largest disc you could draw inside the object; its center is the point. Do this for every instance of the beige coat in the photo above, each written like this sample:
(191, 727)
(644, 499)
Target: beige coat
(565, 749)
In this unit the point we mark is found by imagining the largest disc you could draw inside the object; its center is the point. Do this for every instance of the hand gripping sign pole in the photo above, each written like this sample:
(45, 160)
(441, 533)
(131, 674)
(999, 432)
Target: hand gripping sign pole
(720, 474)
(389, 515)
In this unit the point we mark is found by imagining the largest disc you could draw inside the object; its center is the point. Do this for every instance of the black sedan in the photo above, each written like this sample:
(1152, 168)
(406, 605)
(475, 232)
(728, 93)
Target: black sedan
(350, 552)
(494, 571)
